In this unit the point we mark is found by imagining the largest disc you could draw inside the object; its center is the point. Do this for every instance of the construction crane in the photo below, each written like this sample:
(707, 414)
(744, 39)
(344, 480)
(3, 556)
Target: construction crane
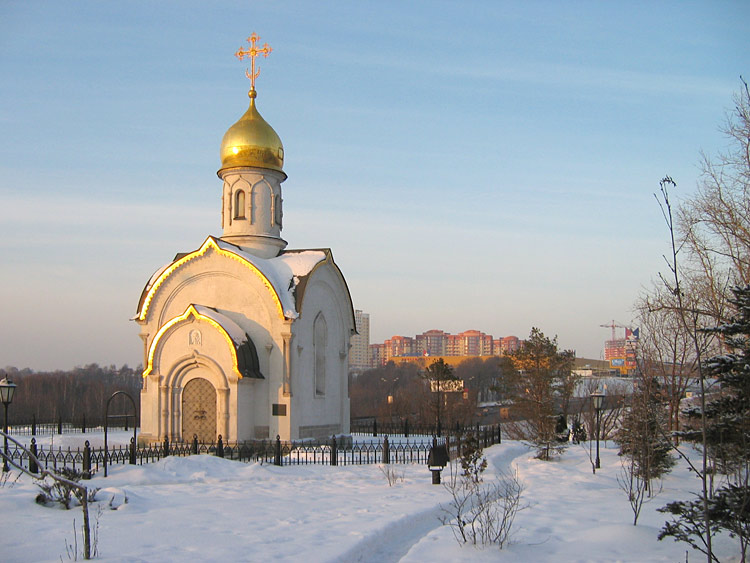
(613, 325)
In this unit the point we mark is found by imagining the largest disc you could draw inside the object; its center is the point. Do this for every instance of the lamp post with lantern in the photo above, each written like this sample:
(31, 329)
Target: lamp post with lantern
(390, 396)
(437, 460)
(7, 390)
(597, 398)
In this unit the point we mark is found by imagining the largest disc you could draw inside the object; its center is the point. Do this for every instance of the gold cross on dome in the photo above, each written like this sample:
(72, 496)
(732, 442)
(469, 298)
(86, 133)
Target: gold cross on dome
(253, 52)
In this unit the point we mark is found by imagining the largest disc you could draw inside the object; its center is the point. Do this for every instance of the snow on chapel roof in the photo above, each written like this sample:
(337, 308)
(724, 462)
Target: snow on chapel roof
(284, 271)
(234, 331)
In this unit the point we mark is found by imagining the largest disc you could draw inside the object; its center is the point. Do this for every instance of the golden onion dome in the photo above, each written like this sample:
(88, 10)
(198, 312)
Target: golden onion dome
(252, 142)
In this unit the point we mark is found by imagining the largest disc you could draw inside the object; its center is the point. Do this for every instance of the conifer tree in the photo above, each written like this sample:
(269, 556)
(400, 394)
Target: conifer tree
(643, 434)
(544, 374)
(438, 373)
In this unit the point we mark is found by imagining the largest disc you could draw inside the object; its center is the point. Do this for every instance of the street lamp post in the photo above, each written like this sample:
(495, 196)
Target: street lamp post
(597, 398)
(439, 400)
(390, 396)
(7, 389)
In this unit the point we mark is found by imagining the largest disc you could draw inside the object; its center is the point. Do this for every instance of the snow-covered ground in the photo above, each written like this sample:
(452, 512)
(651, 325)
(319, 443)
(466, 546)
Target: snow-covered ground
(204, 508)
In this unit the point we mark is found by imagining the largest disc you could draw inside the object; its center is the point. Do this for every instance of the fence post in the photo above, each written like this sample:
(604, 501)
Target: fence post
(33, 467)
(132, 451)
(374, 428)
(195, 444)
(486, 438)
(166, 446)
(59, 424)
(406, 428)
(334, 451)
(499, 434)
(386, 450)
(86, 460)
(220, 447)
(277, 452)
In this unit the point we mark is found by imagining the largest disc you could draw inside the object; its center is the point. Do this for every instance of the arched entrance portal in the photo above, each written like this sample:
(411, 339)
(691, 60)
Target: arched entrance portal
(199, 410)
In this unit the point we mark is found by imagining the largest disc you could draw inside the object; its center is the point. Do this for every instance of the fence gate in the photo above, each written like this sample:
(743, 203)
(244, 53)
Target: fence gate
(199, 410)
(107, 416)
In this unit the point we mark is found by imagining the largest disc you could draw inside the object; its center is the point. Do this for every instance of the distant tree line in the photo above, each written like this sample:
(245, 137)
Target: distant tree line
(398, 392)
(71, 395)
(409, 391)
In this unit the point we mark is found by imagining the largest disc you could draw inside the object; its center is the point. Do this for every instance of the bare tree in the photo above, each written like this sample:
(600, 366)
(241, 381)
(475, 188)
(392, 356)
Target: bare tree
(715, 224)
(666, 350)
(710, 252)
(440, 376)
(691, 318)
(616, 398)
(633, 485)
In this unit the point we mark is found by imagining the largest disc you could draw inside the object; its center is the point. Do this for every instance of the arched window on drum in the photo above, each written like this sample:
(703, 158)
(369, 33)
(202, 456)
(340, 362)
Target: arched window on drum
(239, 204)
(320, 344)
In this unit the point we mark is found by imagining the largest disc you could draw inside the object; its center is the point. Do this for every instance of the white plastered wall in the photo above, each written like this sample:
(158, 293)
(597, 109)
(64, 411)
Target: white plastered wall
(238, 293)
(327, 294)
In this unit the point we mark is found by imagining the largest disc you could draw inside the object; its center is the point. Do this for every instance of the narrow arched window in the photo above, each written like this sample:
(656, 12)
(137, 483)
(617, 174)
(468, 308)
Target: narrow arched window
(239, 204)
(278, 213)
(254, 201)
(320, 344)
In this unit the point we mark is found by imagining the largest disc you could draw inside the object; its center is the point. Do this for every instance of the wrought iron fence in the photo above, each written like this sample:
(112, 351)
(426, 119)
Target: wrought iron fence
(374, 427)
(34, 428)
(334, 452)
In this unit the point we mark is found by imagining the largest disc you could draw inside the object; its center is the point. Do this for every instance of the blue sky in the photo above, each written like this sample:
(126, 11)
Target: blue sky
(473, 165)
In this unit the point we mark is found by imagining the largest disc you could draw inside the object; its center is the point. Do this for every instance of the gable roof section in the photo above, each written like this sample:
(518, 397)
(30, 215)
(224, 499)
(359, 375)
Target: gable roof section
(280, 275)
(299, 291)
(244, 355)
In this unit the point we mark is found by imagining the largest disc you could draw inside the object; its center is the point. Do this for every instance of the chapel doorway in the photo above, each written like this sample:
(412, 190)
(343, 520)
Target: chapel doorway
(199, 410)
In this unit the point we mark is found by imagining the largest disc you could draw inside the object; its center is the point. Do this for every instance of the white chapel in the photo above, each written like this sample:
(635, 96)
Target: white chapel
(242, 337)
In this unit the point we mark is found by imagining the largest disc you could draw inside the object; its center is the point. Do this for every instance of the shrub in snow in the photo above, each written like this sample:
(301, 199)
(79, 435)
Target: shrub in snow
(578, 431)
(54, 491)
(472, 462)
(561, 429)
(480, 513)
(391, 474)
(7, 478)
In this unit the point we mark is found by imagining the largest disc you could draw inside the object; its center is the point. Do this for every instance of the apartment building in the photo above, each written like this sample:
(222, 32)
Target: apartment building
(359, 352)
(440, 343)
